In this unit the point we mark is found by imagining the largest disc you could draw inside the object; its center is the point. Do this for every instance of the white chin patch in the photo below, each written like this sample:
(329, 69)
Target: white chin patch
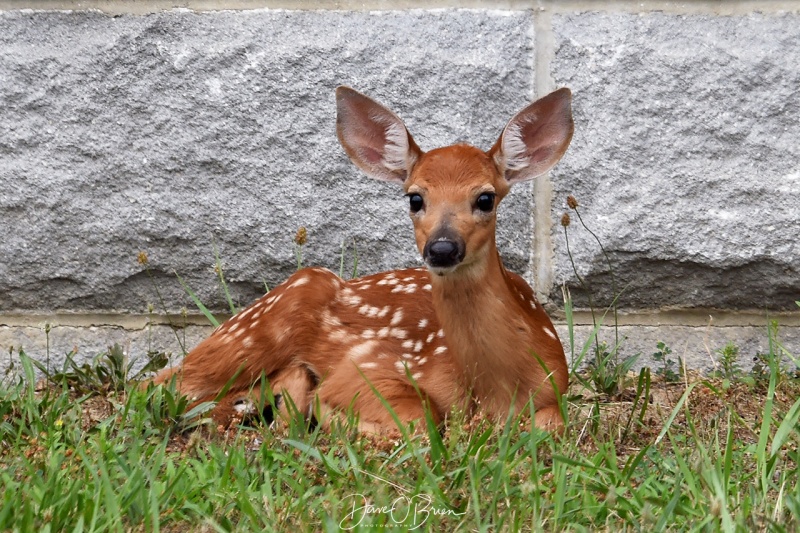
(441, 271)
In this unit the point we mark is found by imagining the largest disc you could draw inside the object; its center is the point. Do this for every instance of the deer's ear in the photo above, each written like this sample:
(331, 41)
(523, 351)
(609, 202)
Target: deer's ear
(375, 139)
(536, 138)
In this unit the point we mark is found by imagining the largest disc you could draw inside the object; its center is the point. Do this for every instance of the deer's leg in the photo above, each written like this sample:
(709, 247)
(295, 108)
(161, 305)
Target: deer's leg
(294, 385)
(290, 388)
(346, 386)
(549, 418)
(263, 339)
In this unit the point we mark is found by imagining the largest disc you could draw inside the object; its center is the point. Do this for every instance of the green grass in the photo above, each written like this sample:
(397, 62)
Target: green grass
(90, 450)
(697, 455)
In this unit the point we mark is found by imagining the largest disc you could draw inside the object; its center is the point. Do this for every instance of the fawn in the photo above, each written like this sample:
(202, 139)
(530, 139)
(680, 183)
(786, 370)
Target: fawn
(461, 333)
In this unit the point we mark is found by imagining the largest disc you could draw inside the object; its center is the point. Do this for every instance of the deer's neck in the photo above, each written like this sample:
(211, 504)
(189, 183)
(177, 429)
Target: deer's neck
(486, 332)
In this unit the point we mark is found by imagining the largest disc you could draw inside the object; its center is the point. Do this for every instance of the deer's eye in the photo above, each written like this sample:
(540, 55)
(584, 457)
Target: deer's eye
(485, 202)
(415, 202)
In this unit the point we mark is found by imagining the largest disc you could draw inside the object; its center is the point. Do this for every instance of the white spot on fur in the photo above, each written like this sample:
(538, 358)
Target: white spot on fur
(430, 338)
(406, 356)
(282, 332)
(341, 335)
(364, 309)
(368, 334)
(422, 361)
(398, 333)
(328, 319)
(384, 311)
(440, 350)
(383, 333)
(370, 364)
(247, 342)
(392, 282)
(440, 333)
(417, 376)
(418, 346)
(423, 324)
(426, 287)
(408, 344)
(384, 281)
(533, 304)
(401, 367)
(550, 333)
(397, 317)
(352, 300)
(360, 350)
(298, 282)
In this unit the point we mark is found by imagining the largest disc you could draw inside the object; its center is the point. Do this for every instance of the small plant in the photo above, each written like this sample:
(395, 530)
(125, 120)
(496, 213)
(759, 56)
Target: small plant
(573, 204)
(607, 374)
(169, 409)
(108, 371)
(667, 371)
(354, 273)
(222, 282)
(729, 362)
(143, 259)
(300, 239)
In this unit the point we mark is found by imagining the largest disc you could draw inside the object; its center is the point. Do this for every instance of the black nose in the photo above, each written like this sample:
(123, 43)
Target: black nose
(443, 253)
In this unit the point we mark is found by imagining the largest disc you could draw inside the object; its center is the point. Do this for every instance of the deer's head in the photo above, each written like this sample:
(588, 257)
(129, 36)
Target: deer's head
(453, 192)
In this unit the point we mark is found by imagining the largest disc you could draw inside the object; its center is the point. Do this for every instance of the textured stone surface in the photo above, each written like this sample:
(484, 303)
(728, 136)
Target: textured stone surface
(685, 157)
(165, 133)
(697, 346)
(169, 132)
(87, 342)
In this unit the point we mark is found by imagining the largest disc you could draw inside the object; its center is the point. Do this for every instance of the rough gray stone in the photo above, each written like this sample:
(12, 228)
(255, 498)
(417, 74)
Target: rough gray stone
(696, 348)
(170, 132)
(685, 158)
(85, 343)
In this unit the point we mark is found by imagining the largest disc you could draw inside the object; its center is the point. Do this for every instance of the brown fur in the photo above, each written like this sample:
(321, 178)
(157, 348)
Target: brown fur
(469, 336)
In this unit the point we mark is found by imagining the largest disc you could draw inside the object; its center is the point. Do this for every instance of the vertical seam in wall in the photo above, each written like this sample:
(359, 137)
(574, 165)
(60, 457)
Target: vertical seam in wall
(543, 247)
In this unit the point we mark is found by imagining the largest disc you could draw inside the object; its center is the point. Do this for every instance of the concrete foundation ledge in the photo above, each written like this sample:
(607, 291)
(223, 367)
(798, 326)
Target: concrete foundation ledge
(694, 337)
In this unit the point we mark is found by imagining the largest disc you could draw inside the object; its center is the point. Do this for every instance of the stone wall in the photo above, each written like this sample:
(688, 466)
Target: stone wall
(130, 127)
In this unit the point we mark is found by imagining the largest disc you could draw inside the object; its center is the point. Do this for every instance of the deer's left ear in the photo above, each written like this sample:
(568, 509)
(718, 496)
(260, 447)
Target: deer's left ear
(536, 138)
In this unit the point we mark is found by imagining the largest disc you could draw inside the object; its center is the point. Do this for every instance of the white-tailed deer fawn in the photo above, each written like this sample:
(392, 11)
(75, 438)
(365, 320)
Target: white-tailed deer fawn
(462, 332)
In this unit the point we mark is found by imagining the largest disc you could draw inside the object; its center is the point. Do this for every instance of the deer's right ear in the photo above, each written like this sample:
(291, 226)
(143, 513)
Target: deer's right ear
(376, 139)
